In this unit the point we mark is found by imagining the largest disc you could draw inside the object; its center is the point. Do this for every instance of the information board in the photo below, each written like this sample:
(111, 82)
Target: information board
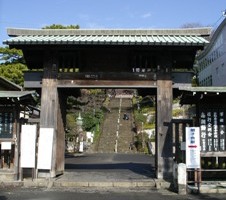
(193, 147)
(28, 146)
(45, 148)
(212, 129)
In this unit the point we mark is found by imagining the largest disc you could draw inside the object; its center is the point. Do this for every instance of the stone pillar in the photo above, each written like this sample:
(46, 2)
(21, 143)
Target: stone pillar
(164, 159)
(182, 178)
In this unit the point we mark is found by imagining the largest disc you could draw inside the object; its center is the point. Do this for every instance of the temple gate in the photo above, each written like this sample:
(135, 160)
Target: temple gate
(67, 60)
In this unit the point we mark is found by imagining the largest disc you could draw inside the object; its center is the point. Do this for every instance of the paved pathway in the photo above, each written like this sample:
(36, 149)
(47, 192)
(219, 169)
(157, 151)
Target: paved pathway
(108, 170)
(108, 167)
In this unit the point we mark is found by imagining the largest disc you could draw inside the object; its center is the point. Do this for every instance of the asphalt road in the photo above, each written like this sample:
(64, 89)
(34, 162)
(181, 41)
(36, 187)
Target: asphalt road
(94, 194)
(103, 167)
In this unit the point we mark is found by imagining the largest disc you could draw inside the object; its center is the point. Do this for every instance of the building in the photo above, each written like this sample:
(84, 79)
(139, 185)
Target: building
(212, 61)
(14, 104)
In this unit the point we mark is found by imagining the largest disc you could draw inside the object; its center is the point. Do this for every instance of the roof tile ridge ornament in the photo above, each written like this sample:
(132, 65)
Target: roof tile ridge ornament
(204, 31)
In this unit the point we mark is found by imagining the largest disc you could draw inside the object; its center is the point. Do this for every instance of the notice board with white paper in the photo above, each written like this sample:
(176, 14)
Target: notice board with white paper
(45, 148)
(193, 147)
(28, 144)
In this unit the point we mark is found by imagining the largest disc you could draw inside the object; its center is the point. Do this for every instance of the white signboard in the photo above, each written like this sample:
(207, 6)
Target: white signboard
(45, 148)
(193, 147)
(28, 144)
(6, 145)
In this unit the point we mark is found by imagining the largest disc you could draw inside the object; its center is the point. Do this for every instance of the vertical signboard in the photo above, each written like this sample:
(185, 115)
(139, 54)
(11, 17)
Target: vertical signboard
(28, 144)
(215, 131)
(45, 148)
(212, 130)
(193, 147)
(203, 136)
(209, 131)
(221, 130)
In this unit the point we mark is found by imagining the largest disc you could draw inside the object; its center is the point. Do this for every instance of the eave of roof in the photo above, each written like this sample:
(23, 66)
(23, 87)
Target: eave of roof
(16, 94)
(205, 31)
(9, 84)
(204, 89)
(186, 37)
(195, 95)
(213, 39)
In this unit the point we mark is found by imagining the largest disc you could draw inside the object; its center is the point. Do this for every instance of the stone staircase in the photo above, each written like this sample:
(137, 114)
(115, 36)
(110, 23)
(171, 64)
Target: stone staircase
(117, 133)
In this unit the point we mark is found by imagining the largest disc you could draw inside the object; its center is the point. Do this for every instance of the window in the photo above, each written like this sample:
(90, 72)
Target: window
(6, 124)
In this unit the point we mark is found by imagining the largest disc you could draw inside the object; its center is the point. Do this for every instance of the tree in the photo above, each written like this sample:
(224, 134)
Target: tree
(59, 26)
(12, 65)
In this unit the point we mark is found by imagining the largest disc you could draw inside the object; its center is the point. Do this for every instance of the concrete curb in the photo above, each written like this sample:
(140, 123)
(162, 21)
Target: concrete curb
(151, 184)
(208, 189)
(118, 184)
(48, 183)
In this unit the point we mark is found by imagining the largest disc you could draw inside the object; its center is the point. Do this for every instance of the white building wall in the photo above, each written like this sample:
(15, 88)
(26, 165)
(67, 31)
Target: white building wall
(212, 66)
(218, 71)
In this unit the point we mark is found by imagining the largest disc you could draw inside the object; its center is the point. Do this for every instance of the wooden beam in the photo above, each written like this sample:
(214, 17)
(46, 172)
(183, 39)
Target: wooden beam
(105, 84)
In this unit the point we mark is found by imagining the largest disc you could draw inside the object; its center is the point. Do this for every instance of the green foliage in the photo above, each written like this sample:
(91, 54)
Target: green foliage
(71, 121)
(149, 126)
(9, 56)
(139, 117)
(178, 112)
(145, 109)
(92, 119)
(73, 102)
(59, 26)
(12, 65)
(106, 103)
(138, 143)
(95, 91)
(13, 72)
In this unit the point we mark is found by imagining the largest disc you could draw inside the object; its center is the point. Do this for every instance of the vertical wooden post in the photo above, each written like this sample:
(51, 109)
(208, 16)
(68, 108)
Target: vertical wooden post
(177, 143)
(48, 115)
(49, 103)
(61, 121)
(164, 155)
(17, 175)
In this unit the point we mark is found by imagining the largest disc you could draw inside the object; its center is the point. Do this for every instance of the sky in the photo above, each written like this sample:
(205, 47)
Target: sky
(109, 14)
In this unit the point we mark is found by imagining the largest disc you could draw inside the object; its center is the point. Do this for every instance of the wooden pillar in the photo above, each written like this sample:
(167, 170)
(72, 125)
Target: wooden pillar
(17, 125)
(61, 121)
(50, 108)
(48, 115)
(164, 150)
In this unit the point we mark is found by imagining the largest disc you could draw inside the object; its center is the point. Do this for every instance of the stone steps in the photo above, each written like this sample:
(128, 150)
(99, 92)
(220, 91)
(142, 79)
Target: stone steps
(117, 133)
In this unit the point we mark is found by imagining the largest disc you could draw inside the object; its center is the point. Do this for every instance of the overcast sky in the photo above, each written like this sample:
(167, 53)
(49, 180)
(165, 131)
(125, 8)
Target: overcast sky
(103, 14)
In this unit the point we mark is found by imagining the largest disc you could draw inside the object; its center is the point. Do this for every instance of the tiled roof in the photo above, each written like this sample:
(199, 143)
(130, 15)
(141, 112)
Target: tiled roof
(8, 85)
(16, 94)
(107, 37)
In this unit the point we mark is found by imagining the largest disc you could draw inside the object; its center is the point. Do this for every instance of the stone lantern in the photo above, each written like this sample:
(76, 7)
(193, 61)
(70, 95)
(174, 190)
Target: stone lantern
(80, 132)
